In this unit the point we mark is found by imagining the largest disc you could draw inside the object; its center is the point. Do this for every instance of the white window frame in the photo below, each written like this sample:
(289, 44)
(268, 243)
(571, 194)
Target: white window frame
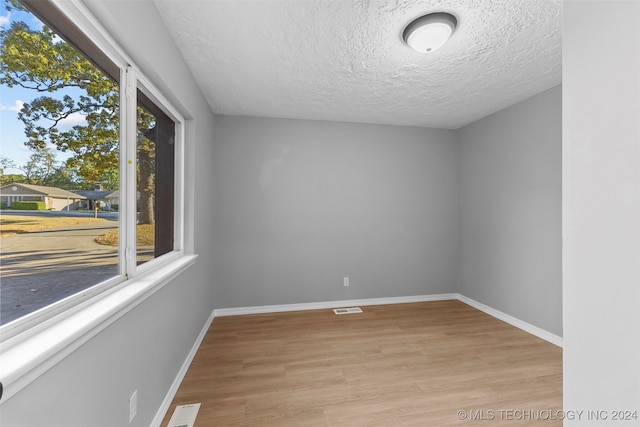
(33, 344)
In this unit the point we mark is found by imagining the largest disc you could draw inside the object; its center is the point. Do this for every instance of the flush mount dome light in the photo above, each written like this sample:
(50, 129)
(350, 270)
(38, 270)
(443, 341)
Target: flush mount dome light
(429, 32)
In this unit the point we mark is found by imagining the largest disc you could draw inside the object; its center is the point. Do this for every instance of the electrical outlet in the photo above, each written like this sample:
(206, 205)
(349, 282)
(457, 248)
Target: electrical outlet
(345, 281)
(133, 406)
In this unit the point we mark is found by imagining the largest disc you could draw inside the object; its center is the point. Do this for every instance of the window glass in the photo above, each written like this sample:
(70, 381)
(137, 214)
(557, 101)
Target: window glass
(76, 218)
(155, 170)
(60, 166)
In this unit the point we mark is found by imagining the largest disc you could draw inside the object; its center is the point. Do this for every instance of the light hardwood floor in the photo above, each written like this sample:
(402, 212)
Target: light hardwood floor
(393, 365)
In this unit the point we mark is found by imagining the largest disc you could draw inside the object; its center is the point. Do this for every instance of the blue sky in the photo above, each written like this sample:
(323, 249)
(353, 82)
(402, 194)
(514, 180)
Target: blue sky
(12, 136)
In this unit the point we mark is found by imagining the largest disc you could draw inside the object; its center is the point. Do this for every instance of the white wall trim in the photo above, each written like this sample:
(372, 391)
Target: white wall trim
(166, 403)
(220, 312)
(520, 324)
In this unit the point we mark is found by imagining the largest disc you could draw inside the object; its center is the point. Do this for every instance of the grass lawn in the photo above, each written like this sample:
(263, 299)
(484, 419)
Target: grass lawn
(17, 224)
(145, 236)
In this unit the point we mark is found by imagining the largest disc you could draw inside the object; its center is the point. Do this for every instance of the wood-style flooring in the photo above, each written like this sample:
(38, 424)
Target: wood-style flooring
(419, 364)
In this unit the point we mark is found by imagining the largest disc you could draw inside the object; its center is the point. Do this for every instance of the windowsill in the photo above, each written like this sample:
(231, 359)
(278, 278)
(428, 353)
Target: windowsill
(26, 356)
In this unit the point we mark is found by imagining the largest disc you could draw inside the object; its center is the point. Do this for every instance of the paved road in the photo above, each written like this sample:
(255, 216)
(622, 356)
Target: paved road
(86, 214)
(40, 268)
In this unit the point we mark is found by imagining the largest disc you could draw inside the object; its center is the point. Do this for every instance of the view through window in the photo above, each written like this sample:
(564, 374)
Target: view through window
(60, 166)
(59, 161)
(155, 155)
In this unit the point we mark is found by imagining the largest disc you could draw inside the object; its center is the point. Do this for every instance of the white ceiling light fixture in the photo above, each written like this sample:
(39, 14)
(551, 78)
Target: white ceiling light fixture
(429, 33)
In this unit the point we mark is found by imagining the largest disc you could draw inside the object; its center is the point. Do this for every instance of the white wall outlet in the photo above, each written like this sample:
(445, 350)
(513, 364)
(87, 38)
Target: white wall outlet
(345, 281)
(133, 406)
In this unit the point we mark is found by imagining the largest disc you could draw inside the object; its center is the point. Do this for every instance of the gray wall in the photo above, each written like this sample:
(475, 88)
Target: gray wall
(144, 349)
(301, 204)
(510, 210)
(601, 208)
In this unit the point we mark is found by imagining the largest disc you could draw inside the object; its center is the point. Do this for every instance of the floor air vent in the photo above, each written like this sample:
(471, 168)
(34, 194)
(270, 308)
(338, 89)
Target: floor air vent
(348, 310)
(184, 415)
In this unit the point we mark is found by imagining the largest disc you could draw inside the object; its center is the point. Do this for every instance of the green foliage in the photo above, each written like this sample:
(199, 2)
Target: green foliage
(6, 163)
(40, 165)
(37, 59)
(12, 177)
(7, 178)
(40, 61)
(42, 168)
(3, 205)
(28, 206)
(62, 177)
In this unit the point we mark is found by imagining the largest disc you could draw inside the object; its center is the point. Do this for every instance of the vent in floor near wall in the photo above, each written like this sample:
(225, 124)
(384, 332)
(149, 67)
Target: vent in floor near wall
(348, 310)
(184, 415)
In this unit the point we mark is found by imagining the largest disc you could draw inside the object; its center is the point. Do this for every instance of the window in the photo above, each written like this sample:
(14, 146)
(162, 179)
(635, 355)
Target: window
(155, 155)
(67, 115)
(112, 195)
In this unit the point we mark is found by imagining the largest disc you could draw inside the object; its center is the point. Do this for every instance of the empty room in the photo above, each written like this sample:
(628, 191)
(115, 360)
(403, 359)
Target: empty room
(362, 213)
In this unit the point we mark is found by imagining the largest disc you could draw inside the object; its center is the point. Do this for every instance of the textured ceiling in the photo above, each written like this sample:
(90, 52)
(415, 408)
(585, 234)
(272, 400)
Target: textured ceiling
(345, 60)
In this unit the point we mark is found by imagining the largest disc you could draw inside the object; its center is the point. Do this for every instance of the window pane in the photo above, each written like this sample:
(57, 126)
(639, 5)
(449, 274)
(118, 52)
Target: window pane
(59, 162)
(155, 152)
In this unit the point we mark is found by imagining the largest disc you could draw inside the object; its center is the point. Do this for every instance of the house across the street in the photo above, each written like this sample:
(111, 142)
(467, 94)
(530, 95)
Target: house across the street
(103, 198)
(55, 198)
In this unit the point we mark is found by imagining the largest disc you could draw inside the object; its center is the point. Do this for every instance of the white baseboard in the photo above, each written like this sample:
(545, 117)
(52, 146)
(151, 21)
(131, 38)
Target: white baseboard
(520, 324)
(166, 403)
(330, 304)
